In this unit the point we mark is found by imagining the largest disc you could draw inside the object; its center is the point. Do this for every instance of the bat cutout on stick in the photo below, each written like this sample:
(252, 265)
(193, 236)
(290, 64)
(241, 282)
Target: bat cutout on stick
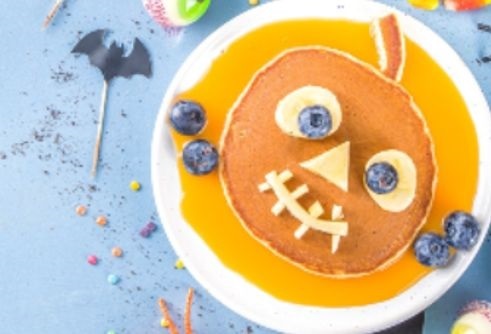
(112, 63)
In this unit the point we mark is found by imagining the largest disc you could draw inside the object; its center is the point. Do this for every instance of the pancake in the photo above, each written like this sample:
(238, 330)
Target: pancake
(378, 114)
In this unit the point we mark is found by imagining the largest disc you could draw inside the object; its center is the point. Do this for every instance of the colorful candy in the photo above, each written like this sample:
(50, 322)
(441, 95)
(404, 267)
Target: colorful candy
(92, 259)
(176, 13)
(148, 229)
(425, 4)
(461, 5)
(475, 317)
(101, 220)
(135, 185)
(179, 264)
(81, 210)
(113, 279)
(455, 5)
(164, 323)
(117, 252)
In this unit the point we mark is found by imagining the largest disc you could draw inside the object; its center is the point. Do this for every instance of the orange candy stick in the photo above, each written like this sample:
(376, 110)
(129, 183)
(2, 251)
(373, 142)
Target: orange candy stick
(165, 313)
(187, 312)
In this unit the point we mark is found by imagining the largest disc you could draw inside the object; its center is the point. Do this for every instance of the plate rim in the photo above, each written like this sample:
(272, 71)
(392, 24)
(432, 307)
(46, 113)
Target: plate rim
(161, 147)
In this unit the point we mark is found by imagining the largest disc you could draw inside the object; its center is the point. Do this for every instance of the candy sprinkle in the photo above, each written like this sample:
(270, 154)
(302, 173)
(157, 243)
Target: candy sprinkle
(135, 185)
(253, 2)
(117, 252)
(111, 332)
(164, 323)
(81, 210)
(113, 279)
(92, 259)
(148, 229)
(101, 220)
(179, 264)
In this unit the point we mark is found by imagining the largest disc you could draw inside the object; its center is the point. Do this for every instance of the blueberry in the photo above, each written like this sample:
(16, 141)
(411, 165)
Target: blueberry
(432, 250)
(187, 117)
(315, 122)
(462, 230)
(200, 157)
(381, 178)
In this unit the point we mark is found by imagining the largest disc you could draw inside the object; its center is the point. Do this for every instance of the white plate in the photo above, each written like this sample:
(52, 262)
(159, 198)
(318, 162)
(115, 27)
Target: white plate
(242, 296)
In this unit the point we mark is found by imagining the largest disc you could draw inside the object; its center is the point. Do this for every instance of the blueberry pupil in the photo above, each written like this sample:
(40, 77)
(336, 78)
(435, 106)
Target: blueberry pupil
(381, 178)
(435, 248)
(315, 121)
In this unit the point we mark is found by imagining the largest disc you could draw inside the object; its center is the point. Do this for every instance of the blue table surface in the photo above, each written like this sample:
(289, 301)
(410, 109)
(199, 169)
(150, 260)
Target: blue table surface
(49, 109)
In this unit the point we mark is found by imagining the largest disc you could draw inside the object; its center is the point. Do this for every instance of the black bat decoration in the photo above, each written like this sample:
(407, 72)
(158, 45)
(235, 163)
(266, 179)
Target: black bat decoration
(111, 62)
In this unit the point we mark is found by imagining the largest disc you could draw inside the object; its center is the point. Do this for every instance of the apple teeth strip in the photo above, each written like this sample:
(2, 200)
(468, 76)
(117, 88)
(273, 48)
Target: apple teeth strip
(300, 231)
(336, 239)
(336, 214)
(284, 176)
(296, 210)
(315, 211)
(296, 194)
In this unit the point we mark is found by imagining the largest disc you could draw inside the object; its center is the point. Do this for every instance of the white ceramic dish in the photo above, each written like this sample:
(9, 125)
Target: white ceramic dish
(242, 296)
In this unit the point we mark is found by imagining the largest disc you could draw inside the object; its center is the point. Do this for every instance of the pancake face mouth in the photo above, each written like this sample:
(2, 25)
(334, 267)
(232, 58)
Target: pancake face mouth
(309, 219)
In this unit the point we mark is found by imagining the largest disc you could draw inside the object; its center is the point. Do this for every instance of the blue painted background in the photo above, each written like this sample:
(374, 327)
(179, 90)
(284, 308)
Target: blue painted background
(48, 111)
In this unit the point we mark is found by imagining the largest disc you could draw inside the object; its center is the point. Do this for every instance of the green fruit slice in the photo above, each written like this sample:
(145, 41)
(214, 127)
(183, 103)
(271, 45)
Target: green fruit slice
(192, 10)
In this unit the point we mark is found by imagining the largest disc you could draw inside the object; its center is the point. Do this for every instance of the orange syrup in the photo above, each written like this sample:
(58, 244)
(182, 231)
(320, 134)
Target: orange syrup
(204, 205)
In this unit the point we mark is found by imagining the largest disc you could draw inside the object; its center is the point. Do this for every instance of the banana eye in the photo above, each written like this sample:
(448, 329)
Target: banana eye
(310, 112)
(390, 179)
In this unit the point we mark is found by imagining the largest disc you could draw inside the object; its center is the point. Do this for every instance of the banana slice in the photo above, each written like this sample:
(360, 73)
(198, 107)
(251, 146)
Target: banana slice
(290, 106)
(403, 194)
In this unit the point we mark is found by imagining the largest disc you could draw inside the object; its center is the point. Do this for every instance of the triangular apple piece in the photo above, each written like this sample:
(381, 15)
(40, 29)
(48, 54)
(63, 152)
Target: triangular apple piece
(390, 44)
(332, 165)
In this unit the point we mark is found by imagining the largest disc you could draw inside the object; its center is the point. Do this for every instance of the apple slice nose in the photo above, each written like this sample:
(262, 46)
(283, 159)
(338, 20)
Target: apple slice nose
(332, 165)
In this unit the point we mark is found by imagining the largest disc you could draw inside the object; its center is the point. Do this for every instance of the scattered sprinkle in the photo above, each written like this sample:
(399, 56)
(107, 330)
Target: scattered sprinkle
(101, 220)
(135, 185)
(111, 332)
(81, 210)
(92, 259)
(148, 229)
(179, 264)
(164, 323)
(113, 279)
(253, 2)
(117, 252)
